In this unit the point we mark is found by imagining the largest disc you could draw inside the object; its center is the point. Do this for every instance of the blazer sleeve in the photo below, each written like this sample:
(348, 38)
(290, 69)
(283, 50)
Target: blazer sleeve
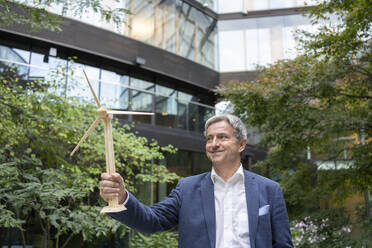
(281, 233)
(159, 217)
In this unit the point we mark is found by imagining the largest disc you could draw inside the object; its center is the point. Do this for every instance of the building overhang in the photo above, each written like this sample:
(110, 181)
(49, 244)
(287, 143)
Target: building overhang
(242, 76)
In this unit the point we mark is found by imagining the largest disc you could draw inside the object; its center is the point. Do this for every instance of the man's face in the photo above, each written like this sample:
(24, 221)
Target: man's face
(222, 146)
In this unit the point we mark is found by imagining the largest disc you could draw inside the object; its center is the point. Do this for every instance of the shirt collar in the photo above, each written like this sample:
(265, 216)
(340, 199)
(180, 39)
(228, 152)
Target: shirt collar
(238, 174)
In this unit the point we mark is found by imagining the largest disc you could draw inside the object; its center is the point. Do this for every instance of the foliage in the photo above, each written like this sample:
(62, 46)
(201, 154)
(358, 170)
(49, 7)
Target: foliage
(42, 185)
(298, 192)
(347, 38)
(366, 223)
(318, 103)
(35, 15)
(327, 229)
(168, 239)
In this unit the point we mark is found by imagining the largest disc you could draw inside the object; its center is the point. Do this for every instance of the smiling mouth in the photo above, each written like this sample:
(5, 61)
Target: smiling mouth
(216, 152)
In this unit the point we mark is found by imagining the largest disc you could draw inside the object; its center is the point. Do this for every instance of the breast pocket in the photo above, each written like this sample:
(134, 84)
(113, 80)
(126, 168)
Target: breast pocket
(264, 224)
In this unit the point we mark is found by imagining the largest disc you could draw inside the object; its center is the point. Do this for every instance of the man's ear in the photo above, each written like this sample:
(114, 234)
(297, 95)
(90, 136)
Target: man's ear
(242, 144)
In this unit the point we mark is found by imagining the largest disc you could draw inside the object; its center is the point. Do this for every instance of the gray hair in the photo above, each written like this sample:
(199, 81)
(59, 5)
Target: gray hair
(236, 123)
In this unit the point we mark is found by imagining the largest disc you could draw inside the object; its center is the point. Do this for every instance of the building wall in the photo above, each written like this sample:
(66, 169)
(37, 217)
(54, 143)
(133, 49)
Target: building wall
(246, 43)
(172, 25)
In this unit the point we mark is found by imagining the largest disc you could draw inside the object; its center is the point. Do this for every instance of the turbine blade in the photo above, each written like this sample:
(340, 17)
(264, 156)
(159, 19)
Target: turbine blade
(118, 112)
(91, 88)
(87, 133)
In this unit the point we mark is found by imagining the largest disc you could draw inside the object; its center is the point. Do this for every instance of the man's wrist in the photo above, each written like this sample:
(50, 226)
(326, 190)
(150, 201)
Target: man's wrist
(126, 198)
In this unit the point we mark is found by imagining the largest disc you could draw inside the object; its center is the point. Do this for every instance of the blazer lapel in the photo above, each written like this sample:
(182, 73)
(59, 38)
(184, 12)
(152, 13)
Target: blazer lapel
(207, 191)
(252, 198)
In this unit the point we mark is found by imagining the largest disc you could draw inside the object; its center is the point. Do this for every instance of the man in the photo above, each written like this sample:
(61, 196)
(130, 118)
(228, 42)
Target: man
(227, 207)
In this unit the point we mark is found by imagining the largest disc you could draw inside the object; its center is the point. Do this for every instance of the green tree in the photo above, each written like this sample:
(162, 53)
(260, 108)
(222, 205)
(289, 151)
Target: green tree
(319, 102)
(43, 187)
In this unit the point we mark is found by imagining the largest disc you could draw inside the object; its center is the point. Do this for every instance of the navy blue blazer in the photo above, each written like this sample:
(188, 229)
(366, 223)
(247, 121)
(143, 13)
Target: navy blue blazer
(191, 206)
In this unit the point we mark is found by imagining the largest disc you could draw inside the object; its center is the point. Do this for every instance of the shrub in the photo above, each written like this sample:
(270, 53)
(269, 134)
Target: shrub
(328, 228)
(167, 239)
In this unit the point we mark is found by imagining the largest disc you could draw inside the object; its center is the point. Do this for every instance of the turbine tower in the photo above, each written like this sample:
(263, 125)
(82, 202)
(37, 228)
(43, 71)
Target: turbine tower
(106, 115)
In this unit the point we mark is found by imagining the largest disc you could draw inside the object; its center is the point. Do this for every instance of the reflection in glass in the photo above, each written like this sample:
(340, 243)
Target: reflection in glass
(176, 27)
(193, 117)
(198, 115)
(262, 40)
(140, 99)
(143, 102)
(136, 83)
(172, 25)
(172, 108)
(182, 109)
(166, 20)
(231, 58)
(264, 48)
(114, 92)
(39, 66)
(228, 6)
(142, 22)
(182, 114)
(13, 54)
(188, 32)
(204, 114)
(15, 58)
(44, 67)
(208, 3)
(77, 84)
(165, 106)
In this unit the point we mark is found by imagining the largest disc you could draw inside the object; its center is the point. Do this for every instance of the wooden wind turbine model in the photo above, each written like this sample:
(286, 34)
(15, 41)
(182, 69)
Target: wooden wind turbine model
(106, 115)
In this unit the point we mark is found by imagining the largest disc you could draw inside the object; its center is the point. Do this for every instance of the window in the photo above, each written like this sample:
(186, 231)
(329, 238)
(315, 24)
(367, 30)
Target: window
(165, 106)
(141, 99)
(114, 92)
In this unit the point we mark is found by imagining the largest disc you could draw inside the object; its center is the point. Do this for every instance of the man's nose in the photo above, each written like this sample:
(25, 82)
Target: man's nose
(215, 142)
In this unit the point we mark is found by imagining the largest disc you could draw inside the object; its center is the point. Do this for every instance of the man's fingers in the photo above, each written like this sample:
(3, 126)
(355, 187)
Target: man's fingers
(109, 184)
(112, 177)
(117, 178)
(105, 176)
(106, 195)
(110, 189)
(109, 192)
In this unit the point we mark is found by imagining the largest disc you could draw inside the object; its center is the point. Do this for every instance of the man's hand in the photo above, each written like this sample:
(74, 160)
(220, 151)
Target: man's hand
(111, 186)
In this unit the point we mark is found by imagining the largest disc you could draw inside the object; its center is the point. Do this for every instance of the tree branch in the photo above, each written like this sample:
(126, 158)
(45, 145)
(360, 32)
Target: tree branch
(67, 240)
(362, 70)
(356, 96)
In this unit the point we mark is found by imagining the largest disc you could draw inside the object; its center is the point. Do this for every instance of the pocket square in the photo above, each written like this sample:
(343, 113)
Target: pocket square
(263, 210)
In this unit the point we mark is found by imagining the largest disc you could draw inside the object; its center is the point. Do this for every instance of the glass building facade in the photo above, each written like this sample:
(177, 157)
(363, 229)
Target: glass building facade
(226, 6)
(183, 29)
(172, 25)
(172, 108)
(246, 43)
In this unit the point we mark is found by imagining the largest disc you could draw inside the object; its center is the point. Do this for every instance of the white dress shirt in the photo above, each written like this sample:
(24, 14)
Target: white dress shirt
(232, 229)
